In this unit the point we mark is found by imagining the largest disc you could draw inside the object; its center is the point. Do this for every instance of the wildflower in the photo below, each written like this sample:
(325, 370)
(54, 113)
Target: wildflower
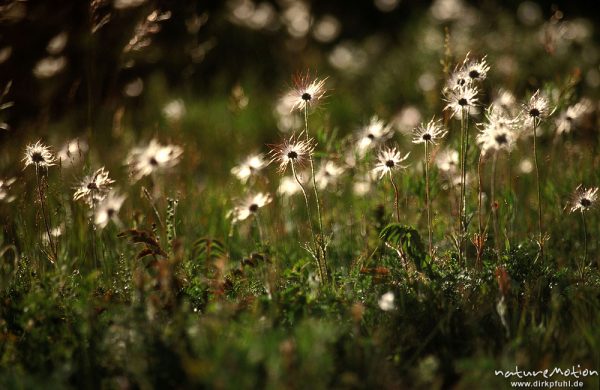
(252, 165)
(288, 186)
(94, 188)
(153, 158)
(536, 109)
(498, 133)
(328, 174)
(569, 118)
(462, 98)
(292, 151)
(375, 132)
(389, 160)
(5, 188)
(39, 155)
(468, 72)
(306, 92)
(429, 133)
(250, 206)
(475, 70)
(583, 199)
(447, 161)
(386, 301)
(108, 209)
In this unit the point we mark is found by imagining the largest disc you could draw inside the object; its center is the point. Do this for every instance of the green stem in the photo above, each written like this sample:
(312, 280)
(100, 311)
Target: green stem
(539, 193)
(312, 231)
(585, 245)
(428, 200)
(396, 197)
(494, 204)
(463, 176)
(321, 246)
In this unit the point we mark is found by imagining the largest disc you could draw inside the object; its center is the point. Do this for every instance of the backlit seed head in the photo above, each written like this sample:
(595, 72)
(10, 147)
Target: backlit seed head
(39, 155)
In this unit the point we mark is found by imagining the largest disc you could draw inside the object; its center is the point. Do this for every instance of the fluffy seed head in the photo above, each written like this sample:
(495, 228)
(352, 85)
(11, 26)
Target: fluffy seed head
(93, 188)
(108, 209)
(388, 161)
(306, 91)
(328, 174)
(295, 150)
(154, 157)
(476, 70)
(374, 133)
(430, 132)
(462, 98)
(583, 199)
(536, 109)
(39, 155)
(250, 206)
(499, 132)
(251, 166)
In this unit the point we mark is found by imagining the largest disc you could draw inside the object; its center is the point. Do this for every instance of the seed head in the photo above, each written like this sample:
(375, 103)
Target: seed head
(388, 161)
(93, 188)
(429, 132)
(250, 206)
(39, 155)
(154, 157)
(583, 199)
(295, 150)
(306, 91)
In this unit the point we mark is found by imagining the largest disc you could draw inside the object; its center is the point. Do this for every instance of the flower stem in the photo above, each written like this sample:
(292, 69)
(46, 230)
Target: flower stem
(312, 231)
(320, 238)
(495, 204)
(46, 224)
(585, 245)
(539, 193)
(427, 200)
(463, 176)
(396, 197)
(480, 197)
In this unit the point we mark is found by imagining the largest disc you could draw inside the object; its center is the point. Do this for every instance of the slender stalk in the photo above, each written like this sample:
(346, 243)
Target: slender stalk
(312, 231)
(512, 198)
(585, 244)
(480, 197)
(480, 240)
(539, 193)
(46, 224)
(93, 229)
(427, 200)
(396, 197)
(494, 204)
(312, 172)
(465, 112)
(464, 146)
(462, 186)
(320, 239)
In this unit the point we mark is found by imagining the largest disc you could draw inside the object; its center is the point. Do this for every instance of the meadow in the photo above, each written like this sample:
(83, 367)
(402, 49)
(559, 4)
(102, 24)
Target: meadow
(266, 195)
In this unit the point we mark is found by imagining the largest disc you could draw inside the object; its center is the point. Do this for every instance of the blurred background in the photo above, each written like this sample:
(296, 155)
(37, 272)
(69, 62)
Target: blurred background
(215, 70)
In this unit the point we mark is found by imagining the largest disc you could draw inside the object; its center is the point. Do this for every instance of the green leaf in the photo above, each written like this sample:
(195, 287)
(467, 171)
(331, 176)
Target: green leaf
(406, 239)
